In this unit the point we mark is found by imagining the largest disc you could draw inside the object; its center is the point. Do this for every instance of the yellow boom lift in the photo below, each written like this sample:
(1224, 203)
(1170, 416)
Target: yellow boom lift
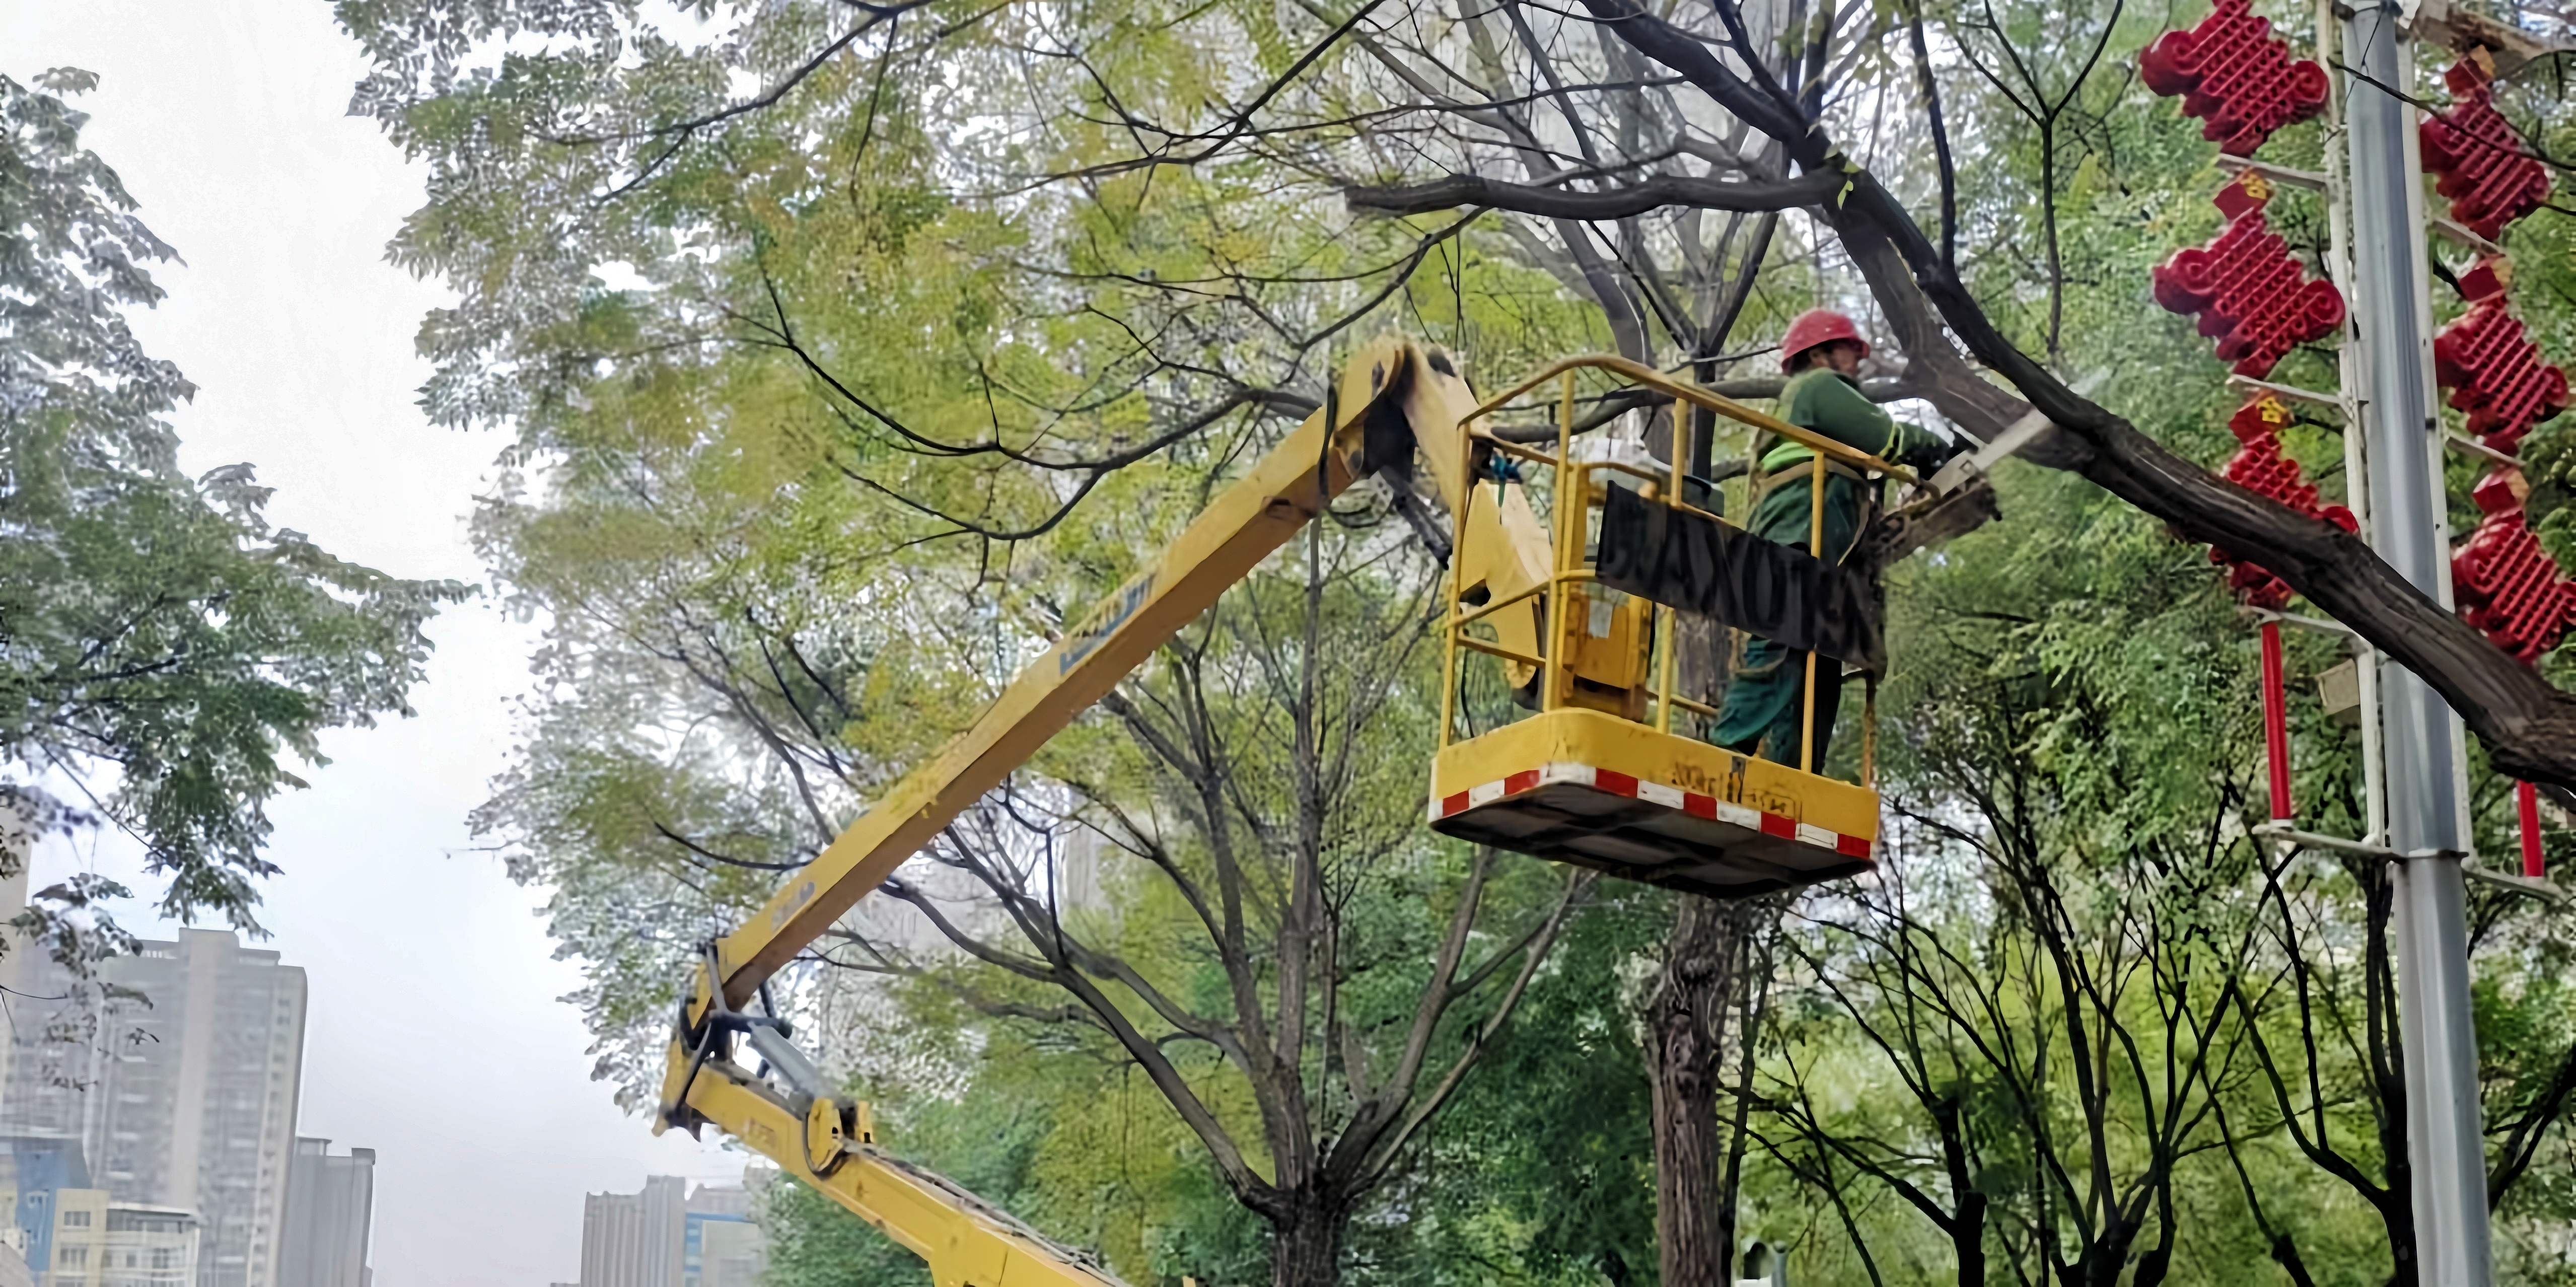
(1592, 774)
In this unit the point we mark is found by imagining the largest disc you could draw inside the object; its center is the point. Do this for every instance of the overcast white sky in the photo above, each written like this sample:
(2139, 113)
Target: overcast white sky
(434, 1036)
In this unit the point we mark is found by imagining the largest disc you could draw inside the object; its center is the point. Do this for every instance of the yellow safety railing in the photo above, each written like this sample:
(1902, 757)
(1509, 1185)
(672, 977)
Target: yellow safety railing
(1570, 524)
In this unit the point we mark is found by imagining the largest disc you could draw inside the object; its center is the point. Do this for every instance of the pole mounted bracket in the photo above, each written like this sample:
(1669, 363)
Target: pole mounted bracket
(2529, 887)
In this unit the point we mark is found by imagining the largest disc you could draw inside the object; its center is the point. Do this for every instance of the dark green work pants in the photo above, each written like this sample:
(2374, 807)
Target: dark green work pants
(1769, 684)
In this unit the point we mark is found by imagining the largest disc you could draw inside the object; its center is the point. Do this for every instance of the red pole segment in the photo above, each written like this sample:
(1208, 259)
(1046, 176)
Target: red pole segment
(2276, 721)
(2526, 802)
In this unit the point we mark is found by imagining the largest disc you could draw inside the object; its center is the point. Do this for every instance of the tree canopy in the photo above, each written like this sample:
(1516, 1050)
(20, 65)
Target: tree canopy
(848, 351)
(167, 656)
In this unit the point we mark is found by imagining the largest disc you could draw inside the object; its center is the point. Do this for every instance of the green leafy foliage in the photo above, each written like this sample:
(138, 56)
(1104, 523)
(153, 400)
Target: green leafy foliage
(165, 652)
(849, 352)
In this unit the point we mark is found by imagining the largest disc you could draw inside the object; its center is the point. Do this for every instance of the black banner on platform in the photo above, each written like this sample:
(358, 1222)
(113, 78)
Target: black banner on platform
(1698, 564)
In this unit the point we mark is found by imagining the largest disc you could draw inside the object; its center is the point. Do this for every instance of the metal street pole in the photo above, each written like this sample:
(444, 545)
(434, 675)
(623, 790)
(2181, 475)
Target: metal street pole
(2421, 740)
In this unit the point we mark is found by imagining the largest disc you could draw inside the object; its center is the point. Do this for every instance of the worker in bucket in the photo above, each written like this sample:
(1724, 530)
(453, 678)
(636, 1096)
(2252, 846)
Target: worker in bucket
(1821, 353)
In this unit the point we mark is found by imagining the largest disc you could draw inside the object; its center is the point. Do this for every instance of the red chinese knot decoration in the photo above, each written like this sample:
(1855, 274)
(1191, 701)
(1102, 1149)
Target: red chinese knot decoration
(2235, 75)
(2251, 294)
(2494, 371)
(2506, 584)
(2259, 467)
(2490, 179)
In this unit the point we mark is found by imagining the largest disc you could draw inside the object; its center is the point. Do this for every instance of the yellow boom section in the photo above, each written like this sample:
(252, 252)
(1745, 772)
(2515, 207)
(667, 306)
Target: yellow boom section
(1248, 521)
(966, 1241)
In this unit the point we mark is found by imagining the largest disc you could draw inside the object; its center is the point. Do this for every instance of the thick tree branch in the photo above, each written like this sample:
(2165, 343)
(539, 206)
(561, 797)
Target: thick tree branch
(1621, 202)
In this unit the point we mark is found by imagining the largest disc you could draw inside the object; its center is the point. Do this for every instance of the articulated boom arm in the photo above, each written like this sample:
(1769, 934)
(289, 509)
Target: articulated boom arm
(1391, 397)
(1586, 777)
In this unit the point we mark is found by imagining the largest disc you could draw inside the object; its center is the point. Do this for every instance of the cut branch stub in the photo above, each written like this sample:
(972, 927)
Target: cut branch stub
(2250, 293)
(2259, 467)
(2485, 171)
(2235, 75)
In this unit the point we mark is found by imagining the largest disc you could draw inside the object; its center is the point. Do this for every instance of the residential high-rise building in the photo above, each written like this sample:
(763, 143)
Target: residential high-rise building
(182, 1101)
(69, 1234)
(666, 1237)
(13, 1265)
(633, 1239)
(34, 1173)
(136, 1246)
(330, 1205)
(719, 1244)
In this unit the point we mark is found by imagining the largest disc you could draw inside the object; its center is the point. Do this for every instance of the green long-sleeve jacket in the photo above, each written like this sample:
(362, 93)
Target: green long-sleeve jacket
(1763, 697)
(1832, 404)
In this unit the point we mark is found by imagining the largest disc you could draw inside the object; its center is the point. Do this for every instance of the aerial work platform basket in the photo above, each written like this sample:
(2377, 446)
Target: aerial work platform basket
(1573, 755)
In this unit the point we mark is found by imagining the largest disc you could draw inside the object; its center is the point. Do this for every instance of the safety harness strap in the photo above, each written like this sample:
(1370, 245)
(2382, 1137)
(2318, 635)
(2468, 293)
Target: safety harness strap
(1803, 469)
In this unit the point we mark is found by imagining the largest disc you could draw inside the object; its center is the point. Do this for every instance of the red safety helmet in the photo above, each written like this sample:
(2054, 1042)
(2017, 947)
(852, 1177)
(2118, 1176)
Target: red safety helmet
(1818, 326)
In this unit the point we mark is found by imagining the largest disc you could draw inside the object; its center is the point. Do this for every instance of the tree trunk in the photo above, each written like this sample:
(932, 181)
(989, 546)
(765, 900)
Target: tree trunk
(2152, 1268)
(2397, 1213)
(1685, 1023)
(1306, 1248)
(1968, 1239)
(2105, 1257)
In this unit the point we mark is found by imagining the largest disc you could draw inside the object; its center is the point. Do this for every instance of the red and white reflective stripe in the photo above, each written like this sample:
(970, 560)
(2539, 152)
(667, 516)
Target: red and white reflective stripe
(1615, 783)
